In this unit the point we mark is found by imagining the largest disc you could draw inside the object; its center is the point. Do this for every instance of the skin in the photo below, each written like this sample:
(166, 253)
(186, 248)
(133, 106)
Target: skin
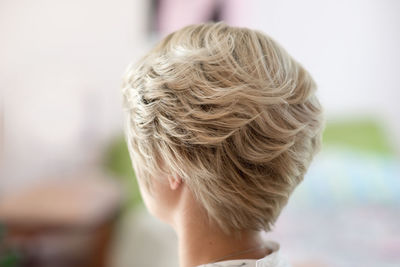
(199, 241)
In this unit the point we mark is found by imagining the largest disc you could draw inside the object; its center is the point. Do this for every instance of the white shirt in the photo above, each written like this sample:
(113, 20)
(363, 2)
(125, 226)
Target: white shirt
(271, 260)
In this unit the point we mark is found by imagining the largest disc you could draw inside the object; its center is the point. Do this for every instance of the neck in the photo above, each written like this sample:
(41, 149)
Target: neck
(201, 243)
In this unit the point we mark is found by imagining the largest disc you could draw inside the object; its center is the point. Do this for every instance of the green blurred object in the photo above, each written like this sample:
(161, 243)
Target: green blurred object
(366, 135)
(8, 258)
(119, 163)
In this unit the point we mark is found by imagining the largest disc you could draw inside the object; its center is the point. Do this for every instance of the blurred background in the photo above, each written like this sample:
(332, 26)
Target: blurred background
(68, 196)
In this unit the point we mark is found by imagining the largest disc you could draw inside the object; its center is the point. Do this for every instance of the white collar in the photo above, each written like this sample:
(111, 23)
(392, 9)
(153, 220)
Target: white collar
(271, 260)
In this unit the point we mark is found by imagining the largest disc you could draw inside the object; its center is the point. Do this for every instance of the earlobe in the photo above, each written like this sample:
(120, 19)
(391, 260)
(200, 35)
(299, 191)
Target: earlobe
(174, 182)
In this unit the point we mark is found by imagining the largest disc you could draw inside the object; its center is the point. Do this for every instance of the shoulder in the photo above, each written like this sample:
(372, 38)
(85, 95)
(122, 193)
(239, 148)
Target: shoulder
(273, 259)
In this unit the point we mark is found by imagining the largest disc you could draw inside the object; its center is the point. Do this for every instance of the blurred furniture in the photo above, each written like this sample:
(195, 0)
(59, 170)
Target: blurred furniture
(63, 223)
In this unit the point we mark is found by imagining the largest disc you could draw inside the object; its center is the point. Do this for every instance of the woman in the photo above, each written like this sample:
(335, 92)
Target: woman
(222, 125)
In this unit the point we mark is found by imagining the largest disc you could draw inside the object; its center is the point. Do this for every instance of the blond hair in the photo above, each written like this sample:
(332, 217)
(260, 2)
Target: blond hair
(230, 112)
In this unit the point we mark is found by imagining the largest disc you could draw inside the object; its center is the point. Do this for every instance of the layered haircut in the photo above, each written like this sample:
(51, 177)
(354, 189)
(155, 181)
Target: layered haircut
(231, 113)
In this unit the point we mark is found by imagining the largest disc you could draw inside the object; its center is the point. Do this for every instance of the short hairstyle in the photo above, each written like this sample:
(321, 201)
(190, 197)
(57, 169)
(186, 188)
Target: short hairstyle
(229, 111)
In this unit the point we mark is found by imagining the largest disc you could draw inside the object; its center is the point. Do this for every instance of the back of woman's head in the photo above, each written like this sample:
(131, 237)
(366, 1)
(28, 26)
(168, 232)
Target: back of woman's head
(231, 113)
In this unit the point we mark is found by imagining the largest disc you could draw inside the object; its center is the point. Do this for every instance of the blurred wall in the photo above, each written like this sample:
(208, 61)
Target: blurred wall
(60, 75)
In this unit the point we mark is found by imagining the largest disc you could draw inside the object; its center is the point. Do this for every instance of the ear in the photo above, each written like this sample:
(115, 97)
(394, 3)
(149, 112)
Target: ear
(174, 182)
